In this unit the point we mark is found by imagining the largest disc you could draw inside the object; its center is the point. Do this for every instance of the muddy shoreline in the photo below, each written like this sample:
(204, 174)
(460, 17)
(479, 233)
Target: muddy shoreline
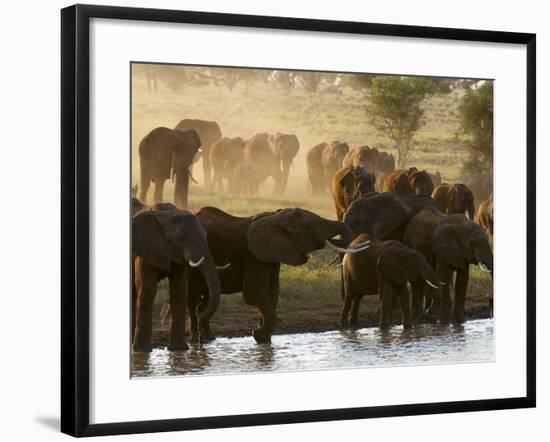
(239, 322)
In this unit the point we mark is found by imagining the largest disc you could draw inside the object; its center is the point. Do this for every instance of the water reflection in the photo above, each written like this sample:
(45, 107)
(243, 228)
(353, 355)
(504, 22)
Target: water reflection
(424, 344)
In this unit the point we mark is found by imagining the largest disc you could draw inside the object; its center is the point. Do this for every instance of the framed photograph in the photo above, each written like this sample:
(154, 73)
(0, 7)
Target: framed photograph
(272, 220)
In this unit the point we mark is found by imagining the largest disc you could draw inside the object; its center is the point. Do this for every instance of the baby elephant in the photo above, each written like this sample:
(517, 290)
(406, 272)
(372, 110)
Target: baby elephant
(384, 268)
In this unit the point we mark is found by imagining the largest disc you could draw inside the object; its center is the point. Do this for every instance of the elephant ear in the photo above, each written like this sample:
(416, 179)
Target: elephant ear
(269, 240)
(390, 266)
(446, 246)
(148, 240)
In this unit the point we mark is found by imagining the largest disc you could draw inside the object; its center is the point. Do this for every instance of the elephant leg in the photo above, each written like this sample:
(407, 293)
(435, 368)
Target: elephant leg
(353, 321)
(347, 294)
(193, 320)
(274, 285)
(159, 189)
(268, 322)
(145, 183)
(417, 300)
(445, 275)
(146, 288)
(257, 291)
(216, 182)
(385, 288)
(405, 306)
(178, 307)
(461, 287)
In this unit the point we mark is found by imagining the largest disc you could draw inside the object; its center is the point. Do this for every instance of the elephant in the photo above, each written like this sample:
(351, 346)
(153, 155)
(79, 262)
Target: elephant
(362, 156)
(421, 182)
(348, 184)
(225, 154)
(386, 162)
(331, 160)
(384, 215)
(167, 153)
(259, 155)
(166, 242)
(398, 181)
(451, 243)
(455, 198)
(384, 269)
(485, 215)
(373, 160)
(323, 161)
(209, 132)
(409, 182)
(255, 246)
(285, 147)
(246, 180)
(315, 169)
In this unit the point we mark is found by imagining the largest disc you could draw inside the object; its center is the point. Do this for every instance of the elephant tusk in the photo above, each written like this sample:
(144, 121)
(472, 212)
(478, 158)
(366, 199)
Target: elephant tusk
(431, 284)
(172, 175)
(484, 268)
(360, 244)
(196, 264)
(223, 267)
(191, 176)
(348, 250)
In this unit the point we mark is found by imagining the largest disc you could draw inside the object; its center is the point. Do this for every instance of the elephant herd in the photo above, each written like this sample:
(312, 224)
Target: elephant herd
(166, 153)
(394, 229)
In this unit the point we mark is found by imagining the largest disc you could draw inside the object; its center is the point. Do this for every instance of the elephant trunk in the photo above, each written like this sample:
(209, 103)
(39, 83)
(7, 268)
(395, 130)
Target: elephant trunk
(484, 258)
(284, 176)
(339, 228)
(210, 274)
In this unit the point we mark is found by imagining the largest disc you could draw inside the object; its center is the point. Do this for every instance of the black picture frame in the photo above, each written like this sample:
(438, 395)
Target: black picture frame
(75, 212)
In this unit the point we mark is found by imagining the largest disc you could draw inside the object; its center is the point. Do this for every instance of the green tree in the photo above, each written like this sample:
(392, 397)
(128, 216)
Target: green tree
(476, 119)
(394, 108)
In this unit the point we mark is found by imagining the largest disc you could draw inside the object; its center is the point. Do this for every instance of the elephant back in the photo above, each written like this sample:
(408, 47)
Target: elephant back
(208, 131)
(226, 233)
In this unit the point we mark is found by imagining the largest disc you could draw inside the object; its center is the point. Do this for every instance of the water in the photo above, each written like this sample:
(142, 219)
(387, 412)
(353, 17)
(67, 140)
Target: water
(368, 347)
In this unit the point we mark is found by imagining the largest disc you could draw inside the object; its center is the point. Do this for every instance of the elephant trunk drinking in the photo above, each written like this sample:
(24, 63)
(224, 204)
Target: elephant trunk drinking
(210, 274)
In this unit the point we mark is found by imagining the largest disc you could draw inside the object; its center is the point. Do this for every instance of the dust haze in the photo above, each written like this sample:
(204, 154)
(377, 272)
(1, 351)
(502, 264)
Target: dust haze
(319, 108)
